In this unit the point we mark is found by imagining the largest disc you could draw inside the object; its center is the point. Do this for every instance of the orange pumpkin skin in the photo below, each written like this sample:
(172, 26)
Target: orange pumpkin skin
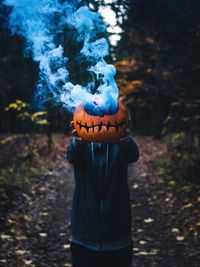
(105, 128)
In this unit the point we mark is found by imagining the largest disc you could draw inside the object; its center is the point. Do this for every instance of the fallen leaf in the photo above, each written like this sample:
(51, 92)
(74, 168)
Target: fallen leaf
(135, 186)
(180, 238)
(11, 221)
(62, 234)
(187, 188)
(66, 246)
(189, 205)
(143, 174)
(3, 236)
(172, 183)
(195, 234)
(21, 237)
(136, 205)
(154, 251)
(143, 253)
(42, 189)
(175, 230)
(43, 234)
(148, 220)
(44, 213)
(28, 262)
(140, 230)
(13, 230)
(27, 218)
(20, 252)
(142, 242)
(191, 229)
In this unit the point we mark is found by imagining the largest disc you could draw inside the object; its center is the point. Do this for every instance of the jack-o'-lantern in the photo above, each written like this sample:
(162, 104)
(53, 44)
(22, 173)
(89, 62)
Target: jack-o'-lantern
(104, 128)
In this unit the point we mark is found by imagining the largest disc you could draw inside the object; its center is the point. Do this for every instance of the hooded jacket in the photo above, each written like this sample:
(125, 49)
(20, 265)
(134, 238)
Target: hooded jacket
(101, 203)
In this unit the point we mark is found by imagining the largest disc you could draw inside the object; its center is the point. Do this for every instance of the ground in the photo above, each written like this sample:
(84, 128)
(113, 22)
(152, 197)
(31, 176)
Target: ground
(166, 218)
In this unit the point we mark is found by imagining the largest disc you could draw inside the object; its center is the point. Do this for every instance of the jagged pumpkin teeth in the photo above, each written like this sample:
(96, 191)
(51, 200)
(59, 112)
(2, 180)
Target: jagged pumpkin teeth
(106, 128)
(100, 126)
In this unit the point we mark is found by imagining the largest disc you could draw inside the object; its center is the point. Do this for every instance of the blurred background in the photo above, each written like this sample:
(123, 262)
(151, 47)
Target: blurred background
(155, 47)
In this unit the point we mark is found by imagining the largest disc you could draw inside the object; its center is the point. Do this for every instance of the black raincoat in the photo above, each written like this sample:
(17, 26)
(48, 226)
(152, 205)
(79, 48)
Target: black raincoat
(101, 204)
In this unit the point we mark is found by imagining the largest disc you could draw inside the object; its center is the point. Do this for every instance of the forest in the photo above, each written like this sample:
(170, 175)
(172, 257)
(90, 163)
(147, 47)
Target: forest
(155, 48)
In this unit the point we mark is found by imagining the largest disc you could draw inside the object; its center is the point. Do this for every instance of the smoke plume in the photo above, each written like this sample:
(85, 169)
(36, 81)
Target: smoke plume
(40, 22)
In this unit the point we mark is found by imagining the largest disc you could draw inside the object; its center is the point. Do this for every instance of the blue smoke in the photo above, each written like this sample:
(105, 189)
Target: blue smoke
(40, 22)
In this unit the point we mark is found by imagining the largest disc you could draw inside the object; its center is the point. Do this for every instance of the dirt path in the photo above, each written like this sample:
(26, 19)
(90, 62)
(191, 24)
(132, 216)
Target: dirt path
(166, 218)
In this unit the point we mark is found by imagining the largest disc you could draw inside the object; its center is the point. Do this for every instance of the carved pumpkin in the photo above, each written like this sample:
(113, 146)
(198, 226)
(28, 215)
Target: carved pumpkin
(105, 128)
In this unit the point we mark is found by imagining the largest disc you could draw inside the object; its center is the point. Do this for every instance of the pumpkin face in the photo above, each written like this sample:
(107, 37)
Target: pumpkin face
(104, 128)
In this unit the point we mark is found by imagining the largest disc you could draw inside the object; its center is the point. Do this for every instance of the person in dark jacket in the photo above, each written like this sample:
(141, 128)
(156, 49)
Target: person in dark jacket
(101, 214)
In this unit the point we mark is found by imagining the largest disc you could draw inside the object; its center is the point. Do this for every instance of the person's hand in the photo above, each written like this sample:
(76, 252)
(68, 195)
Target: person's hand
(75, 134)
(123, 139)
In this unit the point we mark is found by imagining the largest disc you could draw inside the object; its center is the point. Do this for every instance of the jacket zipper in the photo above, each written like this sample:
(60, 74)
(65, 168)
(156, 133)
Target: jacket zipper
(100, 226)
(100, 218)
(101, 201)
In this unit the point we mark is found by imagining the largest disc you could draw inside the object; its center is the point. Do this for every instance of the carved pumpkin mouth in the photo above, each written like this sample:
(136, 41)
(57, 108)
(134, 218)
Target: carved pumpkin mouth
(101, 125)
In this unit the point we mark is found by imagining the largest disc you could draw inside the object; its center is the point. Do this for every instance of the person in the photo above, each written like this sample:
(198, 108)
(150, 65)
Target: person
(101, 214)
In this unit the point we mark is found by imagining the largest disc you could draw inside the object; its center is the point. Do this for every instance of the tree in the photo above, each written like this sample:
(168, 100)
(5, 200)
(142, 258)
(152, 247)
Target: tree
(159, 47)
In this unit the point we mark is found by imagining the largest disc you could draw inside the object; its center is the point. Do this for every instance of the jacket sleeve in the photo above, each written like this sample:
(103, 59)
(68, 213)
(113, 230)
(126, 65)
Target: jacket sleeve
(129, 151)
(76, 152)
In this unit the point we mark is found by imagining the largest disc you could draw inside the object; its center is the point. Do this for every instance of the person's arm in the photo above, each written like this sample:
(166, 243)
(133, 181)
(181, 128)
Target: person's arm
(76, 151)
(129, 150)
(77, 148)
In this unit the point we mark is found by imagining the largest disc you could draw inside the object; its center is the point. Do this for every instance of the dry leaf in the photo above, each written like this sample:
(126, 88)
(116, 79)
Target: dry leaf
(180, 238)
(140, 230)
(20, 252)
(175, 230)
(3, 236)
(43, 234)
(135, 186)
(66, 246)
(62, 234)
(153, 252)
(27, 218)
(191, 229)
(44, 213)
(142, 242)
(172, 183)
(21, 237)
(28, 262)
(189, 205)
(143, 253)
(195, 234)
(148, 220)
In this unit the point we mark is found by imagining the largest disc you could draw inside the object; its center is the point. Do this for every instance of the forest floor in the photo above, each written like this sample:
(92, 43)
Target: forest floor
(35, 227)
